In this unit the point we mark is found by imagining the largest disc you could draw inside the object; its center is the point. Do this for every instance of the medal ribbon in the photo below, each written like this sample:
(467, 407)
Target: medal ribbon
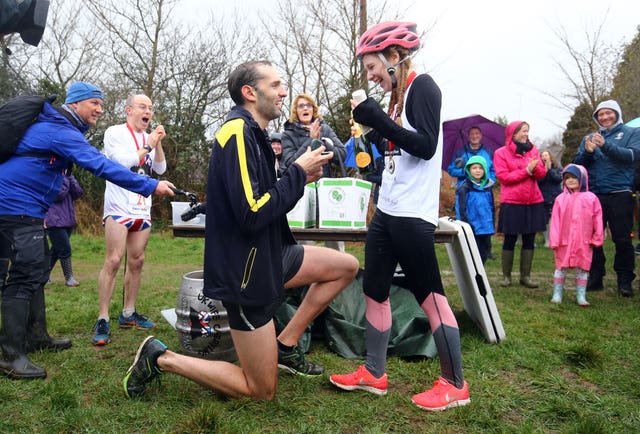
(135, 139)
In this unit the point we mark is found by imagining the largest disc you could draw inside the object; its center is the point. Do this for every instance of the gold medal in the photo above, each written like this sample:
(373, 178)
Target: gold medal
(363, 159)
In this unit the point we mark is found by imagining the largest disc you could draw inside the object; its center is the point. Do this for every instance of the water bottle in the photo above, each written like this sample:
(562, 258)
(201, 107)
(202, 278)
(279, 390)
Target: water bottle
(359, 96)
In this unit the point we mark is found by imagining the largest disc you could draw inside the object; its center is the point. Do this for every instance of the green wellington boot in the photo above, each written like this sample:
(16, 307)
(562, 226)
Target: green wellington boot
(526, 258)
(507, 266)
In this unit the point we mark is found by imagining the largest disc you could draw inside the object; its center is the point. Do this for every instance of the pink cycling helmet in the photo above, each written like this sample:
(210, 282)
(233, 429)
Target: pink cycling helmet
(388, 33)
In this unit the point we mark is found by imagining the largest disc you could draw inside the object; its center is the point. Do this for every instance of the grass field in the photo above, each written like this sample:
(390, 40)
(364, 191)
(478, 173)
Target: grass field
(561, 369)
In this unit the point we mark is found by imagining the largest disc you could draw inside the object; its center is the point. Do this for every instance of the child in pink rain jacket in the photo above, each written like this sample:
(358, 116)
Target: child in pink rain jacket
(576, 228)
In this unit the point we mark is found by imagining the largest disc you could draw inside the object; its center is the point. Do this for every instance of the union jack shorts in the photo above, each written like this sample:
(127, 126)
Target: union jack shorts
(133, 225)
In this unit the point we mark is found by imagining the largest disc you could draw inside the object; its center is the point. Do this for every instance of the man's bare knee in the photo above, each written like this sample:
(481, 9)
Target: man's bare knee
(112, 264)
(264, 395)
(352, 264)
(263, 391)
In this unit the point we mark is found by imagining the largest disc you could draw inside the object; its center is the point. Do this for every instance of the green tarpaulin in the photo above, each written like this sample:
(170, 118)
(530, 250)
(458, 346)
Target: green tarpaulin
(342, 324)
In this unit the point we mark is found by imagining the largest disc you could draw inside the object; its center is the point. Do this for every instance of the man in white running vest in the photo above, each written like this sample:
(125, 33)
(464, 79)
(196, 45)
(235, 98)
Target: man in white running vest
(127, 215)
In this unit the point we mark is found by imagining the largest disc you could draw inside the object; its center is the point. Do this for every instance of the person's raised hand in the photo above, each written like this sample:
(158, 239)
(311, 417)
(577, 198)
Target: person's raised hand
(589, 146)
(156, 136)
(533, 163)
(598, 140)
(354, 128)
(312, 162)
(314, 129)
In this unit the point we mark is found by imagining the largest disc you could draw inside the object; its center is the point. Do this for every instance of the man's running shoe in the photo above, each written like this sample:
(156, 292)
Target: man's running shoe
(144, 368)
(136, 320)
(101, 336)
(442, 396)
(361, 379)
(296, 364)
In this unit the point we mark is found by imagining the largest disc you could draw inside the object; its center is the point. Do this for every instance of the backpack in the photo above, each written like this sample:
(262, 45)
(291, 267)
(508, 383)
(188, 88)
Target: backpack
(16, 116)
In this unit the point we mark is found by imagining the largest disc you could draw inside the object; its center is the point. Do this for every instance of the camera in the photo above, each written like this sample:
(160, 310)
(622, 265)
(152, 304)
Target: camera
(27, 17)
(193, 211)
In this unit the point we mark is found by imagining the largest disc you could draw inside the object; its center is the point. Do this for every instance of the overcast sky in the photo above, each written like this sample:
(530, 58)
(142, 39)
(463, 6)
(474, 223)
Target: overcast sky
(494, 57)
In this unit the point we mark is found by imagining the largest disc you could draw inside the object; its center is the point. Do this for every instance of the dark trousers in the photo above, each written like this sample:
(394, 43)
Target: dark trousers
(60, 244)
(484, 246)
(617, 212)
(5, 249)
(28, 255)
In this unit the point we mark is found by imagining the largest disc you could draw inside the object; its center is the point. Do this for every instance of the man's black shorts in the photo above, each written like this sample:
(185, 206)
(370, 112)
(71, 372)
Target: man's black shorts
(247, 318)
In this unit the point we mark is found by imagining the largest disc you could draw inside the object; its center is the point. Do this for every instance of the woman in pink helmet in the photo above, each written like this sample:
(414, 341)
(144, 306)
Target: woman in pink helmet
(402, 229)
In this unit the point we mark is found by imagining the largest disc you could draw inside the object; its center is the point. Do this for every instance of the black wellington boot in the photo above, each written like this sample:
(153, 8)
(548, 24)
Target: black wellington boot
(14, 361)
(37, 336)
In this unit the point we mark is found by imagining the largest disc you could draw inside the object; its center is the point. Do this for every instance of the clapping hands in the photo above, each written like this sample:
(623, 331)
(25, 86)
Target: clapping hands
(592, 141)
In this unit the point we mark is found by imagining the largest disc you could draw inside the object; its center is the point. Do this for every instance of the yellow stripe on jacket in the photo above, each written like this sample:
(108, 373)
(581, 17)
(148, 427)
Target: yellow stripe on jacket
(235, 128)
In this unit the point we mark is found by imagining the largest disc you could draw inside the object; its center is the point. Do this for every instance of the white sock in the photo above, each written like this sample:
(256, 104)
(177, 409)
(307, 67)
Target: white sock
(128, 311)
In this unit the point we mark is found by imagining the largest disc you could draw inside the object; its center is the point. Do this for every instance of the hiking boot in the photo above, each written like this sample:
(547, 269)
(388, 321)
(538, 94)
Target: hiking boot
(144, 368)
(72, 282)
(136, 320)
(361, 379)
(296, 364)
(442, 396)
(624, 289)
(101, 336)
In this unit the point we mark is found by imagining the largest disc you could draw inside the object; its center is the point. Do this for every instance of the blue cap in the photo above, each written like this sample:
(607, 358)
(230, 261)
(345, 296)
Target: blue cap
(80, 90)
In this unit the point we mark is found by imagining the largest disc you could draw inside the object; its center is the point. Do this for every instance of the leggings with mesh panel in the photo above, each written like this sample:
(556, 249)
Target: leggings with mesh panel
(409, 242)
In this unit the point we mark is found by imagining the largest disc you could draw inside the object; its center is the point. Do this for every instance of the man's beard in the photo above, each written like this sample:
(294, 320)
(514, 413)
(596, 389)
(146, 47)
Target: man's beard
(266, 108)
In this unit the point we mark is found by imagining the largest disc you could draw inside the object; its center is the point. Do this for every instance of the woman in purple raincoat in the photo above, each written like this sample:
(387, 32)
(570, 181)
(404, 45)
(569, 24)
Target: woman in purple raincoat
(59, 222)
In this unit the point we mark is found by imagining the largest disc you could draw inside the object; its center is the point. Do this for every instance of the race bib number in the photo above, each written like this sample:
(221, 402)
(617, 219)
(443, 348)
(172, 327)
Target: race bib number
(139, 203)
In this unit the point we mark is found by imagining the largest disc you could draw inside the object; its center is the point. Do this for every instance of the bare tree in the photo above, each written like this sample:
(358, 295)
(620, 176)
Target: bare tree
(590, 75)
(316, 48)
(182, 69)
(626, 88)
(68, 52)
(591, 71)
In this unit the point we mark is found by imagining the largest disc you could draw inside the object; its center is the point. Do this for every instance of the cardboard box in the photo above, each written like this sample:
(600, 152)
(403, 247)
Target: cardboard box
(178, 208)
(343, 202)
(303, 215)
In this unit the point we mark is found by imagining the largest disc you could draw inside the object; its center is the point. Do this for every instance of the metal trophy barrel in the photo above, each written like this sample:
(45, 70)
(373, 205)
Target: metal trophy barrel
(203, 328)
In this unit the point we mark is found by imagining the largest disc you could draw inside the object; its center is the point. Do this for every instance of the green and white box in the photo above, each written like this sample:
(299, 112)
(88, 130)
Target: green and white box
(343, 202)
(303, 215)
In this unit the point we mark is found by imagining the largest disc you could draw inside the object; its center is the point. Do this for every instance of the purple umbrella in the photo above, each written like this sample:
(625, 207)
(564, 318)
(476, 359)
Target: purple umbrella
(455, 135)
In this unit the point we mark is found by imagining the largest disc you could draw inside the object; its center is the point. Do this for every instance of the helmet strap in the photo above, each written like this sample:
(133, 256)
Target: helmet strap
(391, 70)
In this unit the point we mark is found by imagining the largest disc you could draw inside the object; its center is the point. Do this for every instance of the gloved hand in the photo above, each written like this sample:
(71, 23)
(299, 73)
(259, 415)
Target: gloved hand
(459, 162)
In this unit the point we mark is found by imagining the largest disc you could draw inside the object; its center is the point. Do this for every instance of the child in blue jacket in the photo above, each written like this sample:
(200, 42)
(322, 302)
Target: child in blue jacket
(474, 203)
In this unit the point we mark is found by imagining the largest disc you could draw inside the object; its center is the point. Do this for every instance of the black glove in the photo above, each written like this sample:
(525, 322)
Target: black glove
(328, 143)
(369, 112)
(459, 162)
